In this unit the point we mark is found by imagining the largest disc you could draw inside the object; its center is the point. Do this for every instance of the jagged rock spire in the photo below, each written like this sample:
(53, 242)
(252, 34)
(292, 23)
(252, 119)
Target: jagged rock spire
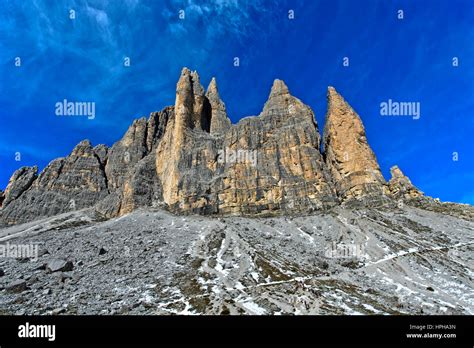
(84, 147)
(201, 118)
(279, 100)
(184, 104)
(170, 151)
(198, 89)
(349, 157)
(20, 181)
(191, 105)
(212, 90)
(400, 185)
(279, 88)
(220, 122)
(397, 174)
(281, 103)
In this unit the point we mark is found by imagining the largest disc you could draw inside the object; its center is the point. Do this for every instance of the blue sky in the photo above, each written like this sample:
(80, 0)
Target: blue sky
(82, 59)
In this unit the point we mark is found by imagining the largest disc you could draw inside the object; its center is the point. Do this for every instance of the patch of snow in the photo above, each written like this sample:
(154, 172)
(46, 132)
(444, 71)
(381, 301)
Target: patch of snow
(253, 308)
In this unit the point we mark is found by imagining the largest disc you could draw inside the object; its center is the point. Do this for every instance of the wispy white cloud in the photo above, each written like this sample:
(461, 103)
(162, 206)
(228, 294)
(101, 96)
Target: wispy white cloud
(221, 17)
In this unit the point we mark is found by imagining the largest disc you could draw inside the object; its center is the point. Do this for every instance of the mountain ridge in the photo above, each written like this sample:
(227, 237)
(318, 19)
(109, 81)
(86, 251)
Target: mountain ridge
(170, 159)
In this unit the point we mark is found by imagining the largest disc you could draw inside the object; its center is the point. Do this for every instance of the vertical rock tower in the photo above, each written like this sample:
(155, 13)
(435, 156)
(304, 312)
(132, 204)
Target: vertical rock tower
(349, 158)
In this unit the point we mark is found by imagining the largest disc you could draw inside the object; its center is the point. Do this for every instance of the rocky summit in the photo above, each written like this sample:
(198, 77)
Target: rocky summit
(189, 213)
(190, 158)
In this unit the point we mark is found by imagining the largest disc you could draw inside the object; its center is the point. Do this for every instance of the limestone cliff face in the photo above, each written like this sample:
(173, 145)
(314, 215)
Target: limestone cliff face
(287, 172)
(263, 164)
(137, 183)
(126, 153)
(20, 181)
(191, 118)
(66, 184)
(190, 158)
(349, 158)
(156, 126)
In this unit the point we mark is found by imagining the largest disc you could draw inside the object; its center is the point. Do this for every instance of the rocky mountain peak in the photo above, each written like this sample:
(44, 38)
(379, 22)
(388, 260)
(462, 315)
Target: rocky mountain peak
(350, 159)
(212, 92)
(332, 92)
(84, 148)
(220, 122)
(184, 98)
(338, 105)
(189, 158)
(281, 103)
(191, 106)
(101, 151)
(198, 89)
(20, 181)
(184, 80)
(400, 185)
(396, 173)
(279, 88)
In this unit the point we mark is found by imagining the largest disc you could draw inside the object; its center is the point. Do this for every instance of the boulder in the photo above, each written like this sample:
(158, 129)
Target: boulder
(16, 286)
(58, 265)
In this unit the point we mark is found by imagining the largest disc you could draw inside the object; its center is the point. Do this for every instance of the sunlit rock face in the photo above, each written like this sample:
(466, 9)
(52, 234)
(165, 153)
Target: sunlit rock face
(349, 158)
(264, 164)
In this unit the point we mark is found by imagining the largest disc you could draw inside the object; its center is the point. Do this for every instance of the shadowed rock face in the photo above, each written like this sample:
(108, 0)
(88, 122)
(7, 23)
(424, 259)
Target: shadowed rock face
(66, 184)
(20, 181)
(156, 126)
(189, 158)
(126, 153)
